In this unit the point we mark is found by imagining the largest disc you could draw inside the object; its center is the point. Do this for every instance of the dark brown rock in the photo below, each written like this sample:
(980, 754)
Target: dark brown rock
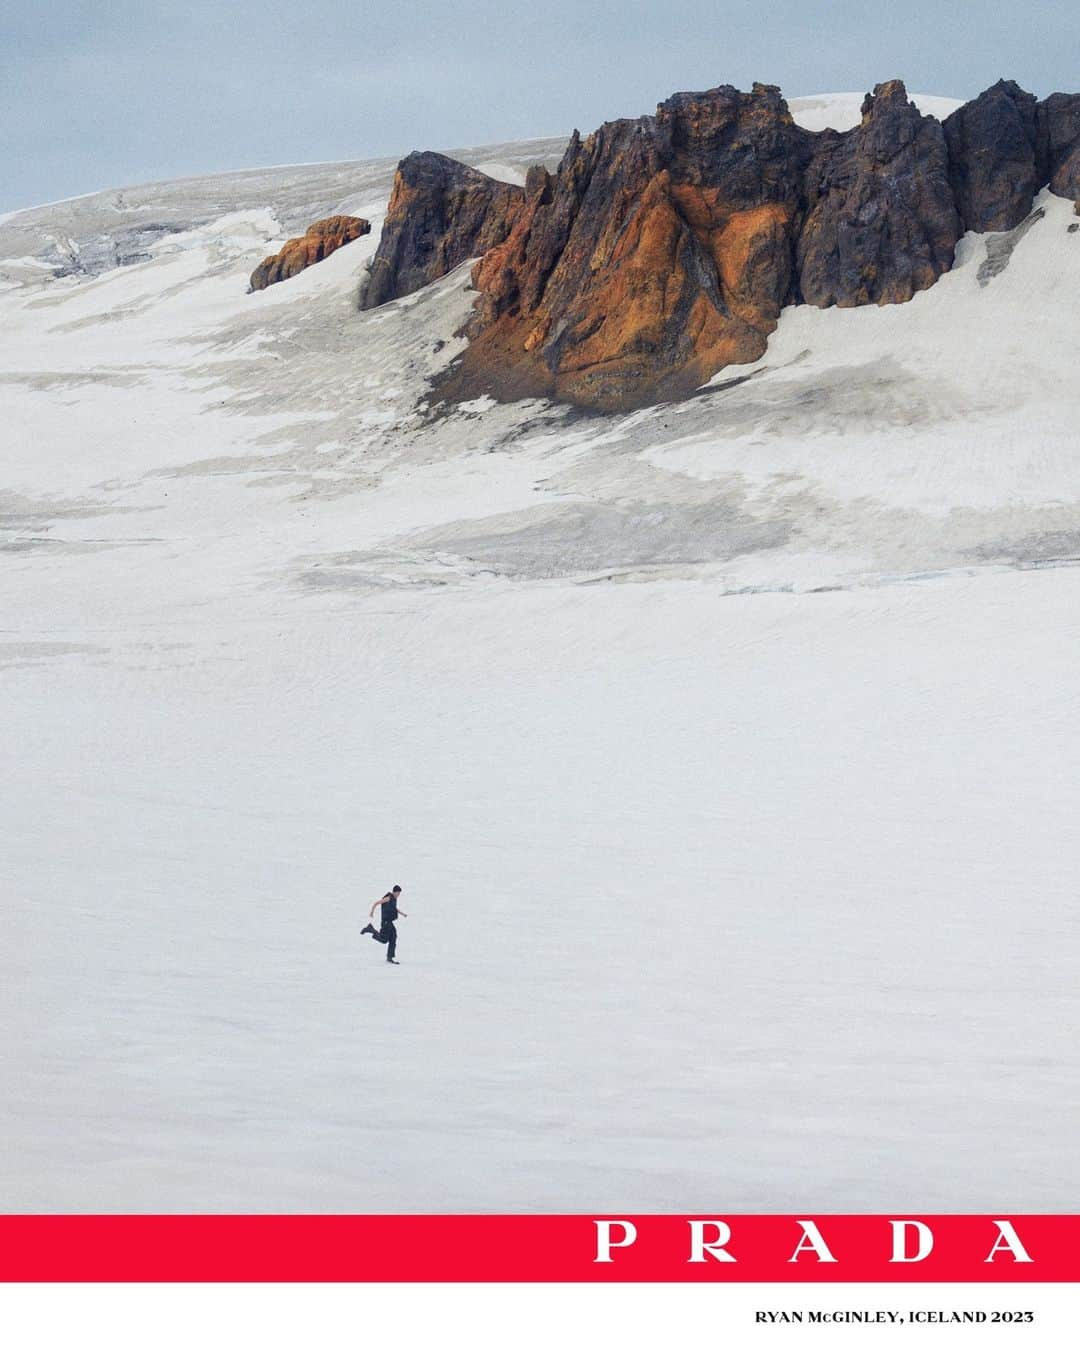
(993, 159)
(321, 239)
(881, 223)
(1059, 144)
(441, 213)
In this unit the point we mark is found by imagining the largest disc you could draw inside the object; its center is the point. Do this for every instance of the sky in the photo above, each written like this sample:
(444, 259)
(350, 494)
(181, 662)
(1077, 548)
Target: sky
(108, 93)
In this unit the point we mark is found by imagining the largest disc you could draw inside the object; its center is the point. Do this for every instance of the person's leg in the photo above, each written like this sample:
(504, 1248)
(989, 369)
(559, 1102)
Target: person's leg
(380, 936)
(392, 939)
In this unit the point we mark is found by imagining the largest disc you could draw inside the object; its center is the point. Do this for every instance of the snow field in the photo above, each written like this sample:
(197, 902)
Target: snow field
(725, 752)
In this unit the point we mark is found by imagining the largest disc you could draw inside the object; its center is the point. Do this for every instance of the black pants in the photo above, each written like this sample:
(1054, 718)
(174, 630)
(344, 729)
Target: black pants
(387, 933)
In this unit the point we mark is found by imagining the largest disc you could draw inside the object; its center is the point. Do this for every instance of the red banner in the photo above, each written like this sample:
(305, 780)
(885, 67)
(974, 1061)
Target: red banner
(541, 1248)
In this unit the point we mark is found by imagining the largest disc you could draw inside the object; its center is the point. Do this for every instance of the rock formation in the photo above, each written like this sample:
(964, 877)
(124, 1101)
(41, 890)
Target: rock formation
(665, 247)
(320, 240)
(441, 213)
(880, 222)
(1059, 144)
(659, 253)
(994, 161)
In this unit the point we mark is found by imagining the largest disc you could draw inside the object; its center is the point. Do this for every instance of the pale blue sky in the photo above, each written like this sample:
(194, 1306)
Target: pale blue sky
(96, 94)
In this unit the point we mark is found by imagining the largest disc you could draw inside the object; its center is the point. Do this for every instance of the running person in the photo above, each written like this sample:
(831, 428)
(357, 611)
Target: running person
(387, 932)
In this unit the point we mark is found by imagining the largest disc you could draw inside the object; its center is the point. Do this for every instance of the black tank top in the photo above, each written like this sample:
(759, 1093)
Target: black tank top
(389, 907)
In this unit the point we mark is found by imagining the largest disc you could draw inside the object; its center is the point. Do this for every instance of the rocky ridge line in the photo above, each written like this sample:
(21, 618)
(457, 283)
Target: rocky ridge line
(441, 213)
(664, 248)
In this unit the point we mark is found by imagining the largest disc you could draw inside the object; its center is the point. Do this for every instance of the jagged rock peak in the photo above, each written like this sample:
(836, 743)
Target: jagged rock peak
(665, 246)
(1059, 144)
(320, 240)
(441, 213)
(659, 252)
(873, 237)
(993, 153)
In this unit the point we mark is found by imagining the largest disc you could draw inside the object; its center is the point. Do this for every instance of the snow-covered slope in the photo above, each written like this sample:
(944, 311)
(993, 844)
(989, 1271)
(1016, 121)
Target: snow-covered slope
(725, 750)
(87, 235)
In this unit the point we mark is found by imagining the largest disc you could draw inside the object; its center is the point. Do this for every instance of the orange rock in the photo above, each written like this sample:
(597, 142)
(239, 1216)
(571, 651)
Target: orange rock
(660, 253)
(321, 239)
(665, 247)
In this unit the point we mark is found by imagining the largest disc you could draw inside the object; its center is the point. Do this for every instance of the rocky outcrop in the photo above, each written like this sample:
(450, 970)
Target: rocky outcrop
(320, 240)
(993, 155)
(881, 222)
(1059, 144)
(441, 213)
(665, 247)
(660, 252)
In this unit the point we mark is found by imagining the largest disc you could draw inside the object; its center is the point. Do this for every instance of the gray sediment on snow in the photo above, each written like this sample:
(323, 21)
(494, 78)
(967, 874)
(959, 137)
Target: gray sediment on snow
(999, 248)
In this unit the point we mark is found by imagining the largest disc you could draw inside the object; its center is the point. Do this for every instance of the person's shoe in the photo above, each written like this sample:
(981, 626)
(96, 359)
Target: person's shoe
(367, 929)
(391, 961)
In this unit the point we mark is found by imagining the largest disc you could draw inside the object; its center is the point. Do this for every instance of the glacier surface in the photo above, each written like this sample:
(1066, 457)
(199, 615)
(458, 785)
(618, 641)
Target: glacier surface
(725, 750)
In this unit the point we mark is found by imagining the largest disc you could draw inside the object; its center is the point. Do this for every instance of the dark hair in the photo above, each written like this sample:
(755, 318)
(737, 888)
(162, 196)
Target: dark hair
(397, 889)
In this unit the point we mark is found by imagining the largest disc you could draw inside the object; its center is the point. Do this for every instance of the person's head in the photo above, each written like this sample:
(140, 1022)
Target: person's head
(396, 890)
